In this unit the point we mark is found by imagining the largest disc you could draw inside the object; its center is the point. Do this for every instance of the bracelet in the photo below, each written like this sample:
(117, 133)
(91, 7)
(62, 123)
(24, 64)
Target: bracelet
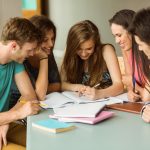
(43, 58)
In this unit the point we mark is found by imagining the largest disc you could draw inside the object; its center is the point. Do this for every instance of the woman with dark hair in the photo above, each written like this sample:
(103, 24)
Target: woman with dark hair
(87, 65)
(140, 28)
(42, 67)
(120, 24)
(48, 29)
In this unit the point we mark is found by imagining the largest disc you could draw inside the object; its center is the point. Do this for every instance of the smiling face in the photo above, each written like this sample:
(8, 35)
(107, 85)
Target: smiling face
(143, 46)
(19, 54)
(122, 37)
(48, 42)
(86, 49)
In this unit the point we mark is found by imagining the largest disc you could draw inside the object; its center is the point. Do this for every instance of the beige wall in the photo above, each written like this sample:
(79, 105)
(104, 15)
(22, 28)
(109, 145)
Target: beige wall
(65, 13)
(9, 8)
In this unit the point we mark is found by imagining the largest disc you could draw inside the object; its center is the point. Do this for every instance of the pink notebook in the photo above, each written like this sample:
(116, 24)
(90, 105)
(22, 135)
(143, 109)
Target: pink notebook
(101, 116)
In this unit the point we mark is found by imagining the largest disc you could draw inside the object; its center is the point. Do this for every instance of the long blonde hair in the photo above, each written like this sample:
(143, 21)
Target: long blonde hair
(72, 64)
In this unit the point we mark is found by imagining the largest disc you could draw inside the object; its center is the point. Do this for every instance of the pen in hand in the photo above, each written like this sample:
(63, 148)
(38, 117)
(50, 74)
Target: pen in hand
(137, 97)
(81, 90)
(23, 101)
(95, 86)
(134, 82)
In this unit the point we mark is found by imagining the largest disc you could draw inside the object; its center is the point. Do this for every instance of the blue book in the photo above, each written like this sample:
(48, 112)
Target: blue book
(52, 125)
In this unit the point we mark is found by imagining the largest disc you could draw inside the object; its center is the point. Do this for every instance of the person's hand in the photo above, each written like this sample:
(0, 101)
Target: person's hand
(3, 133)
(80, 89)
(91, 93)
(145, 95)
(146, 114)
(28, 108)
(41, 54)
(133, 96)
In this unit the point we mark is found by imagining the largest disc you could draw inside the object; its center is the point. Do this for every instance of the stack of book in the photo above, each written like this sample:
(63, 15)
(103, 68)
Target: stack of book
(90, 113)
(89, 120)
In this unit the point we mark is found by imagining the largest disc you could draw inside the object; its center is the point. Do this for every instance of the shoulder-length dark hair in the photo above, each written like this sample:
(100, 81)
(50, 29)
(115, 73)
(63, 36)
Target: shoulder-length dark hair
(73, 64)
(44, 24)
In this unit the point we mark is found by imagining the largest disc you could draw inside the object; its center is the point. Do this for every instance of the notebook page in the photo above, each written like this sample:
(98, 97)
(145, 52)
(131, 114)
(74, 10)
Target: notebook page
(118, 99)
(79, 110)
(55, 100)
(80, 99)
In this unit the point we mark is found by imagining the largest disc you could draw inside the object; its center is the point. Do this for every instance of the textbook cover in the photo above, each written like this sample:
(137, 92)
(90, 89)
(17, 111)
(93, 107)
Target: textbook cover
(52, 125)
(132, 107)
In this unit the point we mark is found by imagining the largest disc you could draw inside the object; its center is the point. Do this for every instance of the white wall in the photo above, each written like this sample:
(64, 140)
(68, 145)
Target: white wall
(8, 9)
(65, 13)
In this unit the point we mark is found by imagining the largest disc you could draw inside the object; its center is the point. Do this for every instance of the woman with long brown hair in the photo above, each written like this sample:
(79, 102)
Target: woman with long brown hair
(120, 26)
(90, 67)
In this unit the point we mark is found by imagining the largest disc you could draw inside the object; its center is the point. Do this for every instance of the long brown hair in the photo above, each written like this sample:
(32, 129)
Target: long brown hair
(72, 64)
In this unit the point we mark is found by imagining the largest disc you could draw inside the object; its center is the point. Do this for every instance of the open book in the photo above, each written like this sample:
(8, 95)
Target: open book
(56, 99)
(100, 117)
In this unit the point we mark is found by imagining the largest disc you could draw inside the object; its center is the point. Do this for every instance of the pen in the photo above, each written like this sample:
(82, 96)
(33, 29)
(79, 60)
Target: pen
(23, 101)
(96, 85)
(133, 82)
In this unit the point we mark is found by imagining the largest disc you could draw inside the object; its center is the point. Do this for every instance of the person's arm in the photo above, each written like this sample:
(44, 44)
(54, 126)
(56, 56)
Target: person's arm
(113, 67)
(24, 85)
(66, 86)
(42, 80)
(111, 60)
(19, 111)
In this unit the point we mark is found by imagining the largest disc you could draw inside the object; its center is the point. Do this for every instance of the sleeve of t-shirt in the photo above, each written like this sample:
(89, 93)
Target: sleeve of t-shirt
(19, 68)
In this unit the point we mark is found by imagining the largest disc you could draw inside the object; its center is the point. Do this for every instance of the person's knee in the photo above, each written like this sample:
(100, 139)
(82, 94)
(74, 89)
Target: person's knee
(17, 134)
